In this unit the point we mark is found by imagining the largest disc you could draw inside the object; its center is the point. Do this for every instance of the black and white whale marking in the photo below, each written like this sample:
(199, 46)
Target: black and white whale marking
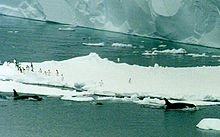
(169, 105)
(34, 97)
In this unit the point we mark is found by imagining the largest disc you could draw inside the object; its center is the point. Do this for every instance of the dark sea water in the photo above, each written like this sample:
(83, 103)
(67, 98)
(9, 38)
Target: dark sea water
(34, 41)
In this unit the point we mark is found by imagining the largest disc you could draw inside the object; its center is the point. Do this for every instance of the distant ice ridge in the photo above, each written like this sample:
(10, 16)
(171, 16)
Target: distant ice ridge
(189, 21)
(92, 75)
(209, 123)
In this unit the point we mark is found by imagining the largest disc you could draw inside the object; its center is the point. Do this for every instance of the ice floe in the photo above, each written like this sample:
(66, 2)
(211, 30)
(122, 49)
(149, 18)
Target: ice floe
(121, 45)
(209, 124)
(90, 75)
(94, 44)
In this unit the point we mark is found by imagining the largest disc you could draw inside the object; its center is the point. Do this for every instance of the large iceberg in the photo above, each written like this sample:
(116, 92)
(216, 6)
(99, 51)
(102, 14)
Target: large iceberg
(188, 21)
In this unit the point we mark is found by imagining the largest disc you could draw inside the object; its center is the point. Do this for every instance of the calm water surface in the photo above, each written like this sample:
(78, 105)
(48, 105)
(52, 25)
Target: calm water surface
(54, 117)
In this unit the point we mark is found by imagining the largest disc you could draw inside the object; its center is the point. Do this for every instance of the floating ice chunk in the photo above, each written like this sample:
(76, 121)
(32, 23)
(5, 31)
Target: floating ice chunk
(197, 55)
(66, 29)
(11, 31)
(121, 45)
(94, 44)
(216, 56)
(149, 53)
(162, 46)
(209, 123)
(173, 51)
(77, 98)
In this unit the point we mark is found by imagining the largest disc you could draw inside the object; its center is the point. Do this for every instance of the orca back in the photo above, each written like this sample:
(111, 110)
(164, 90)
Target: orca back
(99, 103)
(167, 102)
(169, 105)
(15, 93)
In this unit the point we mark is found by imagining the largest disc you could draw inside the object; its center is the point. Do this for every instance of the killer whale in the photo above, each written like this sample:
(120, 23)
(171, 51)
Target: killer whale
(34, 97)
(98, 103)
(169, 105)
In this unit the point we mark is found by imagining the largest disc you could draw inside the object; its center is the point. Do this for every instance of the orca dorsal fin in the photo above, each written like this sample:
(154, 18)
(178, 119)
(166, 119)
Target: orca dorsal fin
(15, 93)
(167, 102)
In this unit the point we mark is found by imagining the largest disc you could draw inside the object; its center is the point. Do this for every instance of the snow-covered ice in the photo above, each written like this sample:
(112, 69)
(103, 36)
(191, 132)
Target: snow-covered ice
(173, 51)
(90, 75)
(94, 44)
(166, 51)
(209, 124)
(66, 29)
(121, 45)
(197, 55)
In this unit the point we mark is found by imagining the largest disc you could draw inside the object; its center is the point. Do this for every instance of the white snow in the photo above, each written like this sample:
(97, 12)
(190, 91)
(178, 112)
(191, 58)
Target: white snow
(209, 123)
(162, 46)
(101, 76)
(78, 98)
(173, 51)
(66, 29)
(121, 45)
(166, 51)
(197, 55)
(149, 53)
(215, 56)
(94, 44)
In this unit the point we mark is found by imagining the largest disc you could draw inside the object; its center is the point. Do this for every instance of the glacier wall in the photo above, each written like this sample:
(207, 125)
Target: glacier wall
(188, 21)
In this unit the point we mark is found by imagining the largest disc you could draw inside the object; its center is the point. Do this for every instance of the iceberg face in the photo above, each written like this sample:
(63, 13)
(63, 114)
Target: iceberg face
(165, 7)
(188, 21)
(26, 9)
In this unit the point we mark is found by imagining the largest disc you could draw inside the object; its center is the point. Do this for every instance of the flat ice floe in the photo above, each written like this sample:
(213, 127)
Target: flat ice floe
(66, 29)
(94, 44)
(154, 51)
(173, 51)
(197, 55)
(86, 76)
(166, 51)
(209, 123)
(162, 46)
(121, 45)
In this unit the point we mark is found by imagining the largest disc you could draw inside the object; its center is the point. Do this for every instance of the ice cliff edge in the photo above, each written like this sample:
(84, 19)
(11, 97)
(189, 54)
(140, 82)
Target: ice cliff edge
(189, 21)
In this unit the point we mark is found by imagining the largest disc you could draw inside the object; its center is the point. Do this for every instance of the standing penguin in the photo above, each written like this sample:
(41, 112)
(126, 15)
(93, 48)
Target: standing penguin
(32, 67)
